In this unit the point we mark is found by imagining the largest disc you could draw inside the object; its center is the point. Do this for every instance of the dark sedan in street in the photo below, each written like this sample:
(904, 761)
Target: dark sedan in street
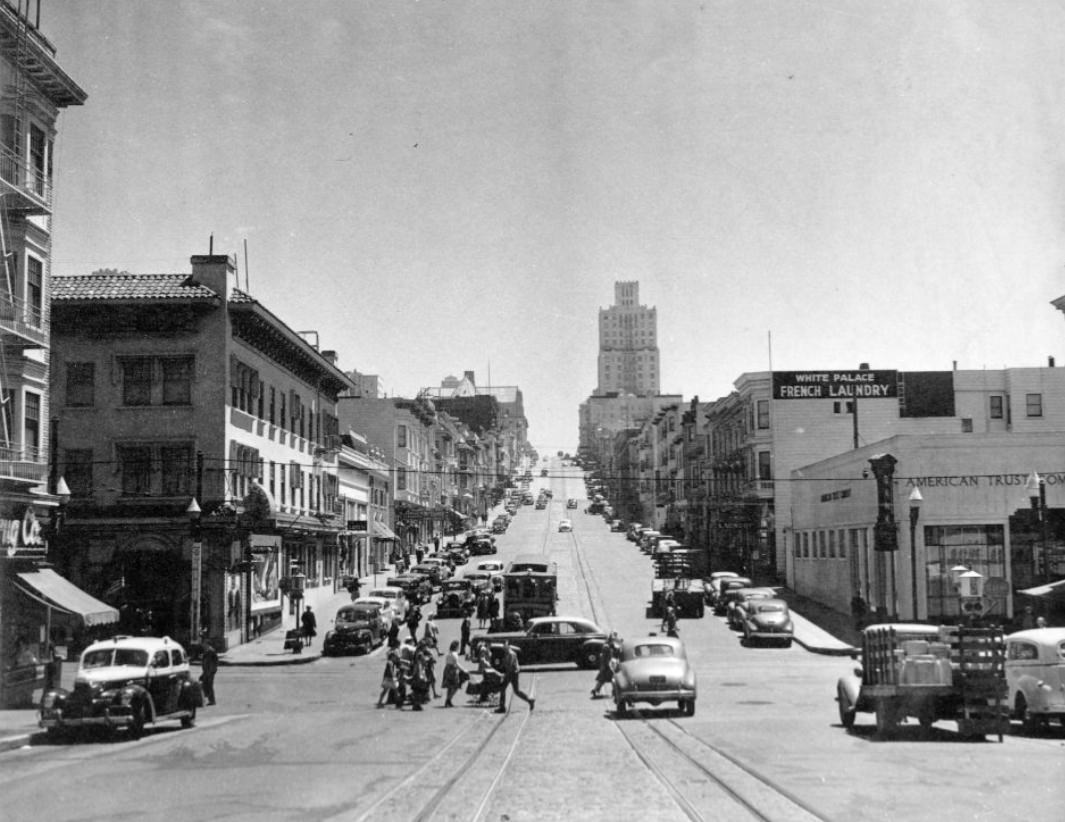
(548, 640)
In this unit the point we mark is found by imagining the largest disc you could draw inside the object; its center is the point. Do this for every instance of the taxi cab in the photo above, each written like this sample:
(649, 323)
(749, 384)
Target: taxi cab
(125, 682)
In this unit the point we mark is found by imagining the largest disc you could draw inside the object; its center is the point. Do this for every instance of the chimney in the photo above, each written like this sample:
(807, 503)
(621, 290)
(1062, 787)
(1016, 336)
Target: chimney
(214, 271)
(330, 357)
(863, 366)
(1050, 362)
(469, 375)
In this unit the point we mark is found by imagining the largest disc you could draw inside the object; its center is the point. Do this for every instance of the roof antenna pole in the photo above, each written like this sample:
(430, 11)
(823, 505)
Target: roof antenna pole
(247, 283)
(210, 246)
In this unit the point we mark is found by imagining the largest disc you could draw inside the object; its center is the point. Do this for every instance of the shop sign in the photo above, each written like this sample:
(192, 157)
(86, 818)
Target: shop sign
(982, 480)
(827, 385)
(22, 537)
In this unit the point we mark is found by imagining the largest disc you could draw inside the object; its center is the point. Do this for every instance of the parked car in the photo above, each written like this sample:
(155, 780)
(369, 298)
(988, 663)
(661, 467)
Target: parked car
(435, 568)
(1035, 674)
(571, 502)
(738, 600)
(720, 587)
(646, 537)
(385, 612)
(617, 525)
(549, 639)
(125, 682)
(564, 526)
(735, 598)
(654, 669)
(455, 596)
(767, 620)
(358, 627)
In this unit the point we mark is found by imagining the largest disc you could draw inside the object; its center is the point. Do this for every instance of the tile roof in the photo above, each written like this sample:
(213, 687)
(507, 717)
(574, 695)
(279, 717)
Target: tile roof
(114, 286)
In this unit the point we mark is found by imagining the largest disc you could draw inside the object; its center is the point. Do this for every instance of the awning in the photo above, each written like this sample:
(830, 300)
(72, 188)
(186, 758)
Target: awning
(48, 587)
(1046, 590)
(382, 531)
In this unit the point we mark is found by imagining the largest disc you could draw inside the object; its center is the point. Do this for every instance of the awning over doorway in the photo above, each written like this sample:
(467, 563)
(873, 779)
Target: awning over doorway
(382, 531)
(56, 592)
(1047, 590)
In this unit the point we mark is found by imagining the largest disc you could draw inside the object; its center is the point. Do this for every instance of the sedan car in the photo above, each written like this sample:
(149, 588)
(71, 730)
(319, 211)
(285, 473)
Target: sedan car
(385, 610)
(654, 669)
(456, 597)
(550, 639)
(125, 682)
(767, 620)
(1035, 674)
(571, 502)
(395, 595)
(357, 628)
(565, 526)
(737, 602)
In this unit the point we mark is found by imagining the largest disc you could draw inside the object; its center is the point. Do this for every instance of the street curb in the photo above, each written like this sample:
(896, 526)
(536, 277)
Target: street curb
(294, 659)
(848, 650)
(10, 743)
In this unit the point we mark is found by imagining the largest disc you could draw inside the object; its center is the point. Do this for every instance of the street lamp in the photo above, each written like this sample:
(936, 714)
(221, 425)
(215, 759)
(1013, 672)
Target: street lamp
(1037, 493)
(193, 513)
(915, 512)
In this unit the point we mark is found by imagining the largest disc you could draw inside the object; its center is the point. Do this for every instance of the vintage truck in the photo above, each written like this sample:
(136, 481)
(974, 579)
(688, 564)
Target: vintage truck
(930, 673)
(679, 573)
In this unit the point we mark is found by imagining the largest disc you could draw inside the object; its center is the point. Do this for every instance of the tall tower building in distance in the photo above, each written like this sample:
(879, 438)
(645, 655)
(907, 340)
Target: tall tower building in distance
(628, 345)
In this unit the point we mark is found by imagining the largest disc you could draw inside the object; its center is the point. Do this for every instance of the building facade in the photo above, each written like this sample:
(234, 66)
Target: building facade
(35, 91)
(200, 437)
(628, 344)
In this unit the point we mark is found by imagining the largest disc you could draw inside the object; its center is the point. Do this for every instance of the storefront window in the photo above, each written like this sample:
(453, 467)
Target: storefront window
(979, 547)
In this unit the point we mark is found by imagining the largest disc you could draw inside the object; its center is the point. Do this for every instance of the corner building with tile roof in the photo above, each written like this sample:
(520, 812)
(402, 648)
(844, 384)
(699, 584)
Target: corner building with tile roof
(171, 388)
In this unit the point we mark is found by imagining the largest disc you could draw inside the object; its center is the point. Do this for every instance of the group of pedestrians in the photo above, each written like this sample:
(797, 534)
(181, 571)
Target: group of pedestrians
(410, 675)
(487, 609)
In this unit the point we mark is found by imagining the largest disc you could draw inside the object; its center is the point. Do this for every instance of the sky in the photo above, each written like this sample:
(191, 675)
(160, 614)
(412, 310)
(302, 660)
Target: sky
(444, 186)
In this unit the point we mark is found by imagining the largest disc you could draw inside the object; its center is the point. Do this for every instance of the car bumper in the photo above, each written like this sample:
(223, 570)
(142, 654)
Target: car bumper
(110, 717)
(769, 634)
(654, 697)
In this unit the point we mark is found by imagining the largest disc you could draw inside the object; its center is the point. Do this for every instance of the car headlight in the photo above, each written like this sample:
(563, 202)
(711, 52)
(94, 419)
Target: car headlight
(49, 701)
(125, 697)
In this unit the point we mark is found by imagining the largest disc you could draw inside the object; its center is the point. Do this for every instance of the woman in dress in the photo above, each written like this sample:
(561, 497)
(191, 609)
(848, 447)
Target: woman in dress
(389, 681)
(453, 673)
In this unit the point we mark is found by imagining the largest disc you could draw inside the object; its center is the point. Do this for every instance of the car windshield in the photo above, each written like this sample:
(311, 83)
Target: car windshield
(655, 649)
(770, 607)
(383, 593)
(130, 657)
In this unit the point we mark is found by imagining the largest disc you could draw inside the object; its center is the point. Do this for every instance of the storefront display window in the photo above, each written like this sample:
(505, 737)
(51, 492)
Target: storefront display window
(979, 547)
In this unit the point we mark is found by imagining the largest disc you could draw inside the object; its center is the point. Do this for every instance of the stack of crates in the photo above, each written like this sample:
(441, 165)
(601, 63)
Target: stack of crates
(979, 658)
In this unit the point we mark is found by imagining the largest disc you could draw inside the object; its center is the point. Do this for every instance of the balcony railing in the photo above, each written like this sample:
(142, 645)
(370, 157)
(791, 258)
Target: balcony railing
(24, 464)
(33, 188)
(21, 319)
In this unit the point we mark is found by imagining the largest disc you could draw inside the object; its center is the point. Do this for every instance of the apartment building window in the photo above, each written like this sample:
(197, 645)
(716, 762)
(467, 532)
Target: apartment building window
(281, 415)
(34, 291)
(31, 424)
(401, 479)
(997, 408)
(842, 544)
(1033, 405)
(966, 425)
(273, 483)
(77, 471)
(282, 484)
(135, 469)
(156, 380)
(763, 414)
(39, 160)
(822, 553)
(401, 436)
(177, 381)
(765, 465)
(81, 384)
(175, 464)
(295, 410)
(137, 381)
(846, 407)
(831, 544)
(273, 405)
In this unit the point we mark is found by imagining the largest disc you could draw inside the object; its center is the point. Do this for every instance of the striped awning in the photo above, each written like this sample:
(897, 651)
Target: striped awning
(54, 591)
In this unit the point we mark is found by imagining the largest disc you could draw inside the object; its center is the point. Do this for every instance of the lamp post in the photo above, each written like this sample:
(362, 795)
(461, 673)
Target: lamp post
(915, 512)
(1037, 493)
(193, 513)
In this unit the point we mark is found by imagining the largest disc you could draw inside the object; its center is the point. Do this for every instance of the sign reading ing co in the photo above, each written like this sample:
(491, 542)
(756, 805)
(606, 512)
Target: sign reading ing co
(827, 385)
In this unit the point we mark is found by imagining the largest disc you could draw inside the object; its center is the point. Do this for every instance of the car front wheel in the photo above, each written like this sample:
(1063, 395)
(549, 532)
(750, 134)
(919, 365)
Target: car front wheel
(190, 720)
(136, 727)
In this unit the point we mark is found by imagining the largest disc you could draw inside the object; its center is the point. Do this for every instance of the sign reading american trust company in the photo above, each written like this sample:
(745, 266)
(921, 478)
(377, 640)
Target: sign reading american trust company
(828, 385)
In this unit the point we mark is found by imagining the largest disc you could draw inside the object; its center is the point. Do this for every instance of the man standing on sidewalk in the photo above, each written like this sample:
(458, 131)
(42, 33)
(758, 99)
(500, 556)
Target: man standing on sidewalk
(209, 667)
(511, 670)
